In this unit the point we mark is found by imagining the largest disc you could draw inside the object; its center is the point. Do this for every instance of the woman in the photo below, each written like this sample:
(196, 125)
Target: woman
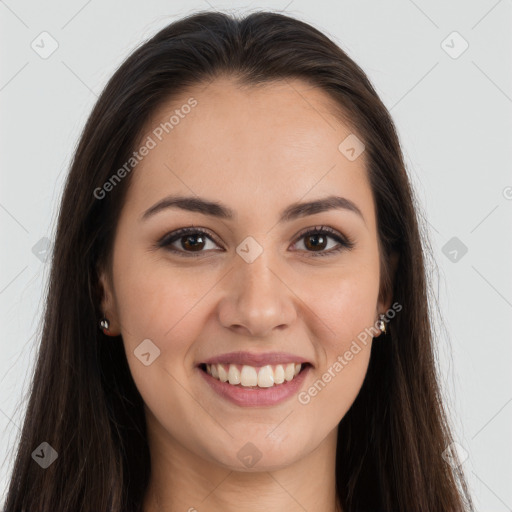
(238, 316)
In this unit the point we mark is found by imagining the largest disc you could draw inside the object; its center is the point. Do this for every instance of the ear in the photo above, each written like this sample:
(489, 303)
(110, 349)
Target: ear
(107, 303)
(387, 296)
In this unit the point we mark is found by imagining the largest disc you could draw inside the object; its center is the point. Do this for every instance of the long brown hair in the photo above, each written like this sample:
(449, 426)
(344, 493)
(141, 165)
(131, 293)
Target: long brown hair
(83, 400)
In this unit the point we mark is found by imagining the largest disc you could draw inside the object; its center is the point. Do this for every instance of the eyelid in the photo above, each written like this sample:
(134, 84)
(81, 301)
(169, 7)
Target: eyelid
(172, 236)
(325, 229)
(343, 242)
(165, 242)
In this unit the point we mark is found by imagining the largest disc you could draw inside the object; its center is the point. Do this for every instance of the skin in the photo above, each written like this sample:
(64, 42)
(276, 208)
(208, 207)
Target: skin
(256, 150)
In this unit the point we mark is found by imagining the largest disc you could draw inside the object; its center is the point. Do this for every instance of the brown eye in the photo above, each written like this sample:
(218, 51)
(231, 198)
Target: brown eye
(188, 242)
(315, 242)
(193, 242)
(321, 241)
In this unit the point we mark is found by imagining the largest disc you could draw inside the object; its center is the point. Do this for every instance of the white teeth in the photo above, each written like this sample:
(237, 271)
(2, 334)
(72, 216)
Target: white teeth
(233, 375)
(266, 377)
(289, 371)
(279, 374)
(223, 374)
(249, 376)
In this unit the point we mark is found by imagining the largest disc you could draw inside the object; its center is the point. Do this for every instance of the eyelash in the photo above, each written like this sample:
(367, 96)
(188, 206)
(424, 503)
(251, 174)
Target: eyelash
(343, 241)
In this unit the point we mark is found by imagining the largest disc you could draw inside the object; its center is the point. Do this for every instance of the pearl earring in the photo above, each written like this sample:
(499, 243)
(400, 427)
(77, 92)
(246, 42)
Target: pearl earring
(104, 325)
(381, 325)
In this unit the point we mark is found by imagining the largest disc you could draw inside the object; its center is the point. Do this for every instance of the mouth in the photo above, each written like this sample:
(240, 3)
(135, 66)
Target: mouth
(254, 377)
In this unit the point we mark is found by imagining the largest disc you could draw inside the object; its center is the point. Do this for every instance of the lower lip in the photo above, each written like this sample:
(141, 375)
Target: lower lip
(254, 397)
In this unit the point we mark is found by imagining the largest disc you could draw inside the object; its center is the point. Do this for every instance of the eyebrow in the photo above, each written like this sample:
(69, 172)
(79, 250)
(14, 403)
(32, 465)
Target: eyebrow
(216, 209)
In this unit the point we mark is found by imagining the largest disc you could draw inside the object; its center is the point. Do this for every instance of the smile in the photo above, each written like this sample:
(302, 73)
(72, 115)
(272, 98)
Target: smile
(255, 386)
(253, 376)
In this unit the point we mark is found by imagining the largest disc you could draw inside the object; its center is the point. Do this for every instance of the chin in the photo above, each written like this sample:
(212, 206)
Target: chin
(258, 452)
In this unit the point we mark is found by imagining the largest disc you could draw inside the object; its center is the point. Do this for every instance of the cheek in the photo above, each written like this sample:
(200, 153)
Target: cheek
(166, 305)
(349, 312)
(352, 309)
(345, 302)
(346, 305)
(162, 306)
(169, 305)
(332, 393)
(153, 297)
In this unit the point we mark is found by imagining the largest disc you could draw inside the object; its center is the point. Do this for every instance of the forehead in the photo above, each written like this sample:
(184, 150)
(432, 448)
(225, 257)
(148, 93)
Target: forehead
(273, 143)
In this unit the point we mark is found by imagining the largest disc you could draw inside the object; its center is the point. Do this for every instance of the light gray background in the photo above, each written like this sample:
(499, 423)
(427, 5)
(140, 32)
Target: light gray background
(454, 120)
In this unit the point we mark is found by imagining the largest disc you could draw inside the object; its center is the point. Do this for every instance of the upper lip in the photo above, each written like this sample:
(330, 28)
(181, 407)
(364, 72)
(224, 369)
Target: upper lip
(253, 359)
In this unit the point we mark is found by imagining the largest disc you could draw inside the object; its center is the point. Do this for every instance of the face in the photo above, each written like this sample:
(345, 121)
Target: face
(270, 281)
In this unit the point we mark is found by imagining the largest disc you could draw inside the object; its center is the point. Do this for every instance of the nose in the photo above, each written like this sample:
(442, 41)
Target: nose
(257, 299)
